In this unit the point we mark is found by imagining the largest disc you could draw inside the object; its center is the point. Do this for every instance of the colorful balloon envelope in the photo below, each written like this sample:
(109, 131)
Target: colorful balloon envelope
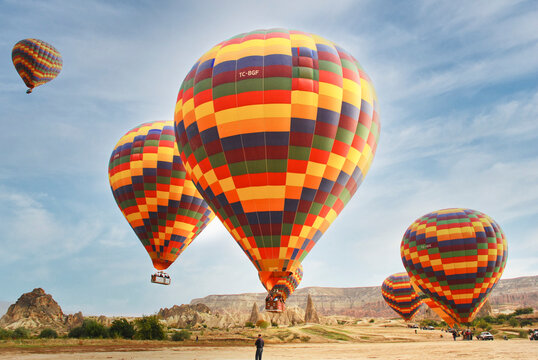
(154, 192)
(278, 128)
(36, 61)
(434, 306)
(281, 286)
(455, 256)
(400, 295)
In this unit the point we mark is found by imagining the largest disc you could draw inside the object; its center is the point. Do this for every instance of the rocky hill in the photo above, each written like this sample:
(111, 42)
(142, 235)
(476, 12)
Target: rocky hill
(37, 310)
(368, 302)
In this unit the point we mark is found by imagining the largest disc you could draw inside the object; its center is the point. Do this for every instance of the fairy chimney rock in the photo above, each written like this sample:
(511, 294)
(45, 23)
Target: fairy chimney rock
(255, 314)
(311, 315)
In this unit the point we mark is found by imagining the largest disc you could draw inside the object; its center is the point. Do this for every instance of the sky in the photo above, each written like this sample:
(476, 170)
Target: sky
(458, 94)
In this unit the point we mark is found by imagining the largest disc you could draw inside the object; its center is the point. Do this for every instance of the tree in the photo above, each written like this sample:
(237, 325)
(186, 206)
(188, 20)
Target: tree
(262, 324)
(149, 328)
(21, 333)
(48, 333)
(523, 311)
(181, 335)
(122, 328)
(89, 329)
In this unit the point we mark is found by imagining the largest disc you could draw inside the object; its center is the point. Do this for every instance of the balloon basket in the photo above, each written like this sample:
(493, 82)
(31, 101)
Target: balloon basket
(160, 278)
(274, 306)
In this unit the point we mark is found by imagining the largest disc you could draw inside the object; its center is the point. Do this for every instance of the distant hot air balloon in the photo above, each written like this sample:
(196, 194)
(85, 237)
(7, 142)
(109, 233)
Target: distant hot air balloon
(400, 295)
(280, 288)
(455, 257)
(278, 129)
(36, 61)
(155, 194)
(434, 306)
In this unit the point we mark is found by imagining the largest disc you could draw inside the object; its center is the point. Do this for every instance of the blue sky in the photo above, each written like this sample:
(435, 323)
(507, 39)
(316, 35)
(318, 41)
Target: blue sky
(458, 95)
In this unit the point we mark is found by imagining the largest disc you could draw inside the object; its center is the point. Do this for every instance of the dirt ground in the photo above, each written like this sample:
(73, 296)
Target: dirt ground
(387, 340)
(475, 350)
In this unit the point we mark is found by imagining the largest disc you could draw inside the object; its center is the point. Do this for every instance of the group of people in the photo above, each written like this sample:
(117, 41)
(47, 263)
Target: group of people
(467, 334)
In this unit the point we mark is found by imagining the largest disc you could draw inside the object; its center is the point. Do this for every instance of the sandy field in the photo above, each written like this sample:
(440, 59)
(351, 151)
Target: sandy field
(388, 339)
(442, 349)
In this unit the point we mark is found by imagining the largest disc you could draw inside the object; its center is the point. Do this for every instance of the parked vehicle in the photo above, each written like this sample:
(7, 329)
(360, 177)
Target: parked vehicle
(485, 335)
(534, 335)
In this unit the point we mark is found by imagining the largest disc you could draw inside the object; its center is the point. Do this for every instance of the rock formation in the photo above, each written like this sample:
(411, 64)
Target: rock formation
(362, 302)
(311, 315)
(255, 314)
(37, 310)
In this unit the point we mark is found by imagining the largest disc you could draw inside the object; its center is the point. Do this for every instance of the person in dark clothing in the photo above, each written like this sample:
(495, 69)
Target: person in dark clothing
(259, 347)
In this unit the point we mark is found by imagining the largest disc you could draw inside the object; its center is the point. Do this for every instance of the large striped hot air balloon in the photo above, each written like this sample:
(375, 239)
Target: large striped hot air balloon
(455, 257)
(36, 61)
(155, 194)
(400, 295)
(278, 129)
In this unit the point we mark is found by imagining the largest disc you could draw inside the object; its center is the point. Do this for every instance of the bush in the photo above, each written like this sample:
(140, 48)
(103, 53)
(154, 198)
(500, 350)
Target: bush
(149, 328)
(513, 322)
(249, 324)
(523, 311)
(262, 324)
(181, 335)
(6, 334)
(305, 338)
(122, 328)
(48, 333)
(21, 333)
(371, 321)
(89, 329)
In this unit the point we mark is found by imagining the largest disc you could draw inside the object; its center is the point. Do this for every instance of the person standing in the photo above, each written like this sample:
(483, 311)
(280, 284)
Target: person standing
(259, 347)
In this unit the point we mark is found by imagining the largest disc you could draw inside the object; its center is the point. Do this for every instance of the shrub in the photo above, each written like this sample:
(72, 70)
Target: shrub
(249, 324)
(181, 335)
(89, 329)
(149, 328)
(122, 328)
(304, 338)
(21, 333)
(523, 311)
(274, 324)
(6, 334)
(262, 324)
(371, 321)
(513, 322)
(48, 333)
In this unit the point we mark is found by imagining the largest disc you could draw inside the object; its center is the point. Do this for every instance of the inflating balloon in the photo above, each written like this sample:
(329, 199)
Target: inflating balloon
(278, 129)
(400, 295)
(455, 257)
(154, 192)
(36, 61)
(434, 306)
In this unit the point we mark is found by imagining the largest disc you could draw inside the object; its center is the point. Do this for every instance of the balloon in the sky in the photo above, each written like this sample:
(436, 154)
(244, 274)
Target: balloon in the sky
(455, 257)
(400, 295)
(434, 306)
(36, 61)
(154, 192)
(278, 129)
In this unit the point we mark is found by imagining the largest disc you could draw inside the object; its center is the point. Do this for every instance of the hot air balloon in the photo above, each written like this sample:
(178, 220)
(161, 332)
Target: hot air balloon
(279, 288)
(155, 194)
(278, 129)
(36, 61)
(455, 257)
(433, 306)
(400, 295)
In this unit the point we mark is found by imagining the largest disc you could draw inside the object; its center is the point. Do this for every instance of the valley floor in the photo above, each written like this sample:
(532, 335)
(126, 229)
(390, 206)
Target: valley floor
(439, 349)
